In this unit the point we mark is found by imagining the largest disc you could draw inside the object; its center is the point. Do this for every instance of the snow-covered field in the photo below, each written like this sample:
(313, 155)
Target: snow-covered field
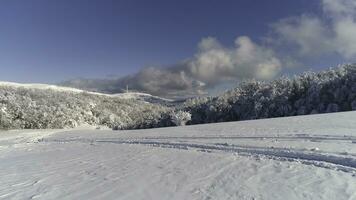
(304, 157)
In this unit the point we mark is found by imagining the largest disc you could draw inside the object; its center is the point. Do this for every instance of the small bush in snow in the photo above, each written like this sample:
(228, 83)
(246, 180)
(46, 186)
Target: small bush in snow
(180, 118)
(5, 122)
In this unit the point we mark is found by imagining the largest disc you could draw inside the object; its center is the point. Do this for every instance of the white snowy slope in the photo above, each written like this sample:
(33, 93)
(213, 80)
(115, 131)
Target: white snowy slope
(304, 157)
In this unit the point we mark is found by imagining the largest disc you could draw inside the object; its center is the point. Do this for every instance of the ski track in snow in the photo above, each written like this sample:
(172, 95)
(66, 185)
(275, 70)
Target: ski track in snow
(329, 160)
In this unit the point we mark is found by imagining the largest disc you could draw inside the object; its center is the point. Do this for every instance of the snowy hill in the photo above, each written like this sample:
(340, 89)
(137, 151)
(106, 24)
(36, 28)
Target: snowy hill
(40, 86)
(41, 106)
(131, 95)
(303, 157)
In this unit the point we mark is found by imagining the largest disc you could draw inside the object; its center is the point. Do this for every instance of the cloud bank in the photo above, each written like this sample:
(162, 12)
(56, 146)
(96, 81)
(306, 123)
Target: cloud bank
(304, 36)
(211, 65)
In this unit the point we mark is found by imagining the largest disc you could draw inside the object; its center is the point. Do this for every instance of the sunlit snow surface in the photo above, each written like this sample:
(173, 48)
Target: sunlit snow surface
(305, 157)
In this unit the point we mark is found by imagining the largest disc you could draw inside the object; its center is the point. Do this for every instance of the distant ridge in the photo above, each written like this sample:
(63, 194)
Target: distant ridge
(130, 95)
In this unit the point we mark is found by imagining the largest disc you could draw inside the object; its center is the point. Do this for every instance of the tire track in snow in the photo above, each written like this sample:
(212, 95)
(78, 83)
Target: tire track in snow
(287, 137)
(345, 163)
(342, 163)
(257, 137)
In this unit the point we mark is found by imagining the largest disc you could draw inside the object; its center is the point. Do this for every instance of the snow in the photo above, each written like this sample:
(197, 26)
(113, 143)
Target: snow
(140, 95)
(304, 157)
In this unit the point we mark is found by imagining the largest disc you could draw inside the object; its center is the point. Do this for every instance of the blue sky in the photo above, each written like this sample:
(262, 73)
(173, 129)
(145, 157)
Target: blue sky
(50, 41)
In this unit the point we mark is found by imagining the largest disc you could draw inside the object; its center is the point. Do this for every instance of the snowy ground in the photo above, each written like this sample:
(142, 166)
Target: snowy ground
(305, 157)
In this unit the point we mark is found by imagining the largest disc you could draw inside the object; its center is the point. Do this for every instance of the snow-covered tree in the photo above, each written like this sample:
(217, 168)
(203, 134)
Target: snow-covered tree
(180, 118)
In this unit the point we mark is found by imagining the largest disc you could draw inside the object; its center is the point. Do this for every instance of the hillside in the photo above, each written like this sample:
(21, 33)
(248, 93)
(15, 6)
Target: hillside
(40, 106)
(303, 157)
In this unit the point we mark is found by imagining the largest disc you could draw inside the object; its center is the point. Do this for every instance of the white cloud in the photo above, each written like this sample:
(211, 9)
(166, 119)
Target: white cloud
(316, 36)
(213, 63)
(339, 8)
(255, 61)
(345, 37)
(308, 34)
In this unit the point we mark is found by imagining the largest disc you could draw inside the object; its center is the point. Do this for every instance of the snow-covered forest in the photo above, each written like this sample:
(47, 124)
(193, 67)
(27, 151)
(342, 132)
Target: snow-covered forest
(310, 93)
(328, 91)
